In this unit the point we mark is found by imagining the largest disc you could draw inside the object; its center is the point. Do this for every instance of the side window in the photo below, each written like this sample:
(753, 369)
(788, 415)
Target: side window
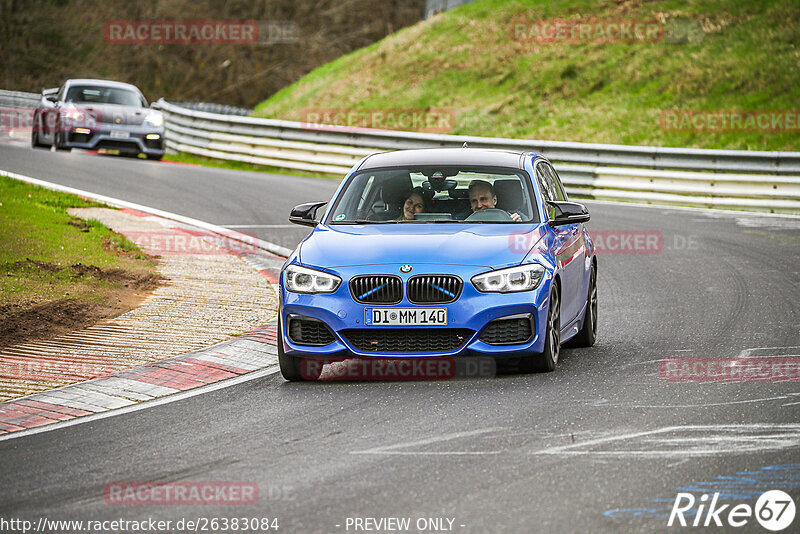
(556, 191)
(559, 187)
(547, 193)
(362, 201)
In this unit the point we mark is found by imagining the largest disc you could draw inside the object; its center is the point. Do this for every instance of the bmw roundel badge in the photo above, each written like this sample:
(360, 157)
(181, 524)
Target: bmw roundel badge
(405, 268)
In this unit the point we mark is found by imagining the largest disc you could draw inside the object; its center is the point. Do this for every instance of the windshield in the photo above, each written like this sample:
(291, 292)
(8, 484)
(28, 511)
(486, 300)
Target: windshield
(435, 195)
(96, 94)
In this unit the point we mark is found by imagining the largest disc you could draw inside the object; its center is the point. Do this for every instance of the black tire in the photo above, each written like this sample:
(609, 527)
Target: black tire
(58, 142)
(154, 158)
(547, 360)
(292, 368)
(35, 137)
(588, 334)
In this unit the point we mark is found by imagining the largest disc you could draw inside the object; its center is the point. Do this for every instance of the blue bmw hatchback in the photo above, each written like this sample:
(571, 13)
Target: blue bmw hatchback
(440, 253)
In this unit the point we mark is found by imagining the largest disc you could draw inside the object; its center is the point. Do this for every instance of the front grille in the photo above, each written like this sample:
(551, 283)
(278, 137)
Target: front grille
(376, 289)
(79, 137)
(122, 146)
(508, 331)
(434, 288)
(307, 331)
(407, 340)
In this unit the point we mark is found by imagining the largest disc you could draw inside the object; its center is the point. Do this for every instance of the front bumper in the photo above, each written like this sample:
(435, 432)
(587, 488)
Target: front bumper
(472, 311)
(113, 139)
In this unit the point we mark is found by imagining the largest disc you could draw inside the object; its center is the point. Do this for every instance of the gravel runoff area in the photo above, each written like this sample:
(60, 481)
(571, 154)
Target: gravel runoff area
(211, 293)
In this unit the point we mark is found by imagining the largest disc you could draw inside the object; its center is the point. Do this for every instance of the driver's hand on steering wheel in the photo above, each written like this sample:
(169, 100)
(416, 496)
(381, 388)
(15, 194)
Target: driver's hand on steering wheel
(516, 217)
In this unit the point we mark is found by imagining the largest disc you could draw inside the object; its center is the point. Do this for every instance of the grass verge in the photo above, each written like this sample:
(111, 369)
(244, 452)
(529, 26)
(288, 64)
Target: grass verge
(715, 55)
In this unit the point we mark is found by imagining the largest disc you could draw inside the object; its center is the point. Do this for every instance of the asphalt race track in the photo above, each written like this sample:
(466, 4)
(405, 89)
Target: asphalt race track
(261, 202)
(604, 444)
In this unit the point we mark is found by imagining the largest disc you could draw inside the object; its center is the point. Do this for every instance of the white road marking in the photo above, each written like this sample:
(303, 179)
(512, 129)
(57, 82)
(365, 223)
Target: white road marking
(714, 440)
(392, 449)
(270, 247)
(682, 442)
(750, 353)
(704, 211)
(702, 405)
(146, 404)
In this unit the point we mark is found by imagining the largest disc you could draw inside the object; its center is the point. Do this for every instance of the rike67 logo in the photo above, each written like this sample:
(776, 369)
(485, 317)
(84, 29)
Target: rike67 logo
(774, 510)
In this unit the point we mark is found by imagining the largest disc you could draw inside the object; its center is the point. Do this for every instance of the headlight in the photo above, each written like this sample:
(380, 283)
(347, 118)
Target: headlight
(73, 114)
(155, 118)
(305, 280)
(522, 278)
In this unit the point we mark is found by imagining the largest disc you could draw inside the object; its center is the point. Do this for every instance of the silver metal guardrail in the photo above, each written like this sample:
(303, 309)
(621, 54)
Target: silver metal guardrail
(18, 99)
(16, 115)
(729, 179)
(222, 109)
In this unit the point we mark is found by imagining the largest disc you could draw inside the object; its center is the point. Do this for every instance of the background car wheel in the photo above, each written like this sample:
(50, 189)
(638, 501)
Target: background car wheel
(155, 158)
(59, 142)
(588, 334)
(296, 369)
(546, 361)
(35, 138)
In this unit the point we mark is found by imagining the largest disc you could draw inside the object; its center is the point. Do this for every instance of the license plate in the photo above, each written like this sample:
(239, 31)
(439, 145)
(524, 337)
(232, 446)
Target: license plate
(120, 135)
(405, 316)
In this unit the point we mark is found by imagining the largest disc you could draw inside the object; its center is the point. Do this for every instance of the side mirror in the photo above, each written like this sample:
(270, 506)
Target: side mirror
(51, 98)
(305, 214)
(568, 213)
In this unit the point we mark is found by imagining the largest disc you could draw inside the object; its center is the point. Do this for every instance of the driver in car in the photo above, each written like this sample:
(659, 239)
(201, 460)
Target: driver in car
(482, 196)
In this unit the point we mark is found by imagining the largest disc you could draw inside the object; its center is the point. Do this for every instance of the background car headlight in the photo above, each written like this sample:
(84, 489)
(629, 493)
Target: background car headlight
(73, 114)
(522, 278)
(305, 280)
(155, 118)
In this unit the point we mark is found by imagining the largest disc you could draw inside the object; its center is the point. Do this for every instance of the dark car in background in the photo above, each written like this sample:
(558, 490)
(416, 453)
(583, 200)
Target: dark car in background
(103, 115)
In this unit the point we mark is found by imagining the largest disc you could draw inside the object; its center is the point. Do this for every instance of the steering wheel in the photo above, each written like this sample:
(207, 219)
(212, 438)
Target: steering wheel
(489, 215)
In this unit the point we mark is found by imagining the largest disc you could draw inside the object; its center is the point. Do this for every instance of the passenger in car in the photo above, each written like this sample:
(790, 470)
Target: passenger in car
(482, 196)
(413, 204)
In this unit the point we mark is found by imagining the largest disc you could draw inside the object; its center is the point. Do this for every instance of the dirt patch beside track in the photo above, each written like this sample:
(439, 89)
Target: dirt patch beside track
(32, 321)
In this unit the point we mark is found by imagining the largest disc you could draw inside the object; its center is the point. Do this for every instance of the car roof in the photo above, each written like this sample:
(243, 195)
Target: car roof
(106, 83)
(445, 157)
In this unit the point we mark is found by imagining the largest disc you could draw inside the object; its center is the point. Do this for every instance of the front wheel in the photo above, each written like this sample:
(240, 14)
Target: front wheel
(296, 369)
(58, 141)
(588, 334)
(546, 361)
(35, 143)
